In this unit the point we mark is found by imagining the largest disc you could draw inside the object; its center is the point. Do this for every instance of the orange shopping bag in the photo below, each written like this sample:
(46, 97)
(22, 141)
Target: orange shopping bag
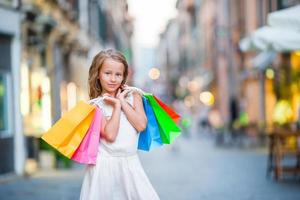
(68, 132)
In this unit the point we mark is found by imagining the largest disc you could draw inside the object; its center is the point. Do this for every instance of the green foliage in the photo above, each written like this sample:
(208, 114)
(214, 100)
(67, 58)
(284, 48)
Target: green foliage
(62, 161)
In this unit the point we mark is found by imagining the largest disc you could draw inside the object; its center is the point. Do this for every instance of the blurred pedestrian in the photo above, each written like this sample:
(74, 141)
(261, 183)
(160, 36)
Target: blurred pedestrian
(215, 119)
(118, 173)
(203, 120)
(234, 114)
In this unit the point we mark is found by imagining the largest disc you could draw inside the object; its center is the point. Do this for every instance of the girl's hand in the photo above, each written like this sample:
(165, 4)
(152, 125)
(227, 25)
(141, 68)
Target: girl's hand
(124, 87)
(122, 94)
(115, 102)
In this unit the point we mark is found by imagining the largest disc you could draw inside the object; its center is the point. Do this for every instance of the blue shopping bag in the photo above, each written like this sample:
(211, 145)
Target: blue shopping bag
(150, 137)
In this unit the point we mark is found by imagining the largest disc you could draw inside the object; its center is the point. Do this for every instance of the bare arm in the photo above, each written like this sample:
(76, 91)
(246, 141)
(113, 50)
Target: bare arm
(110, 127)
(136, 114)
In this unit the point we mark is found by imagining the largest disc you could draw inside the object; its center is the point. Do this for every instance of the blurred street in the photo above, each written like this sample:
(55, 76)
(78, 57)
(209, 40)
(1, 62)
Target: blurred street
(229, 69)
(190, 169)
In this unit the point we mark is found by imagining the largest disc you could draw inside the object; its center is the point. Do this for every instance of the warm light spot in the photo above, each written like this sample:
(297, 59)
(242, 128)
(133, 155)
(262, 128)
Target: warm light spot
(71, 95)
(207, 98)
(270, 73)
(193, 86)
(154, 73)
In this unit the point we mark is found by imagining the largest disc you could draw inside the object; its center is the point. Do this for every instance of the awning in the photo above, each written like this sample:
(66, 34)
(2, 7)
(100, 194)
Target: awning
(282, 34)
(263, 59)
(273, 39)
(287, 18)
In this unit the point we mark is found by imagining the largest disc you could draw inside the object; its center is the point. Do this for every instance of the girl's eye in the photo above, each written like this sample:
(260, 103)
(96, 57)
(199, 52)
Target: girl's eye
(119, 75)
(107, 72)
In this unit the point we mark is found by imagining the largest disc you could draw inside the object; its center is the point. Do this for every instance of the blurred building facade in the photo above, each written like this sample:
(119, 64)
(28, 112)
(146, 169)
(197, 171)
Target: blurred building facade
(239, 85)
(199, 51)
(12, 143)
(49, 46)
(273, 72)
(180, 55)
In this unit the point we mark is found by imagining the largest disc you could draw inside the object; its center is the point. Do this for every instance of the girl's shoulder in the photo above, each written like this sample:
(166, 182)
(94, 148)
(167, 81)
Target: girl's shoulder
(133, 90)
(98, 101)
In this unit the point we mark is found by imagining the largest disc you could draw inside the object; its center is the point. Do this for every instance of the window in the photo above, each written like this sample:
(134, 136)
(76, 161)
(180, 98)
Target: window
(6, 101)
(282, 4)
(5, 105)
(9, 3)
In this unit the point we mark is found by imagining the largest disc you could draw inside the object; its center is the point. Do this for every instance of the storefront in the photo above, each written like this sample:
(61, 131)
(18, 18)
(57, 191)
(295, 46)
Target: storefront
(278, 64)
(12, 145)
(53, 61)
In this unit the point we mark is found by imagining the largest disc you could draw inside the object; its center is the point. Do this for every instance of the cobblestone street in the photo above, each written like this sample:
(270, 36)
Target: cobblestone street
(188, 170)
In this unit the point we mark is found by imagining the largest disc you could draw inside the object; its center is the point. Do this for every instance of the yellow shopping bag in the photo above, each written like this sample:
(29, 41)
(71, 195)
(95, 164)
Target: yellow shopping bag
(67, 133)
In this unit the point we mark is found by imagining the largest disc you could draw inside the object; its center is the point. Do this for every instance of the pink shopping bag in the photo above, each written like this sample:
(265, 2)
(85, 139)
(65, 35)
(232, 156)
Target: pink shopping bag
(86, 153)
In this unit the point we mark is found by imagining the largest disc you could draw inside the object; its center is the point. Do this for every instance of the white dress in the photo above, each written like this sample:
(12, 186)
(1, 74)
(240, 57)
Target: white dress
(118, 173)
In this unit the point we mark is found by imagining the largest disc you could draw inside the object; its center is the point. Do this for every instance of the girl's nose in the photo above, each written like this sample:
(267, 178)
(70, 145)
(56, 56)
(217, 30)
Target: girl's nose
(113, 78)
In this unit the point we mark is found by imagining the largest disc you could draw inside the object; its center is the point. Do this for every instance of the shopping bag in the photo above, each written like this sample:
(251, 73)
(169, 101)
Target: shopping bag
(168, 128)
(170, 111)
(87, 151)
(68, 132)
(150, 137)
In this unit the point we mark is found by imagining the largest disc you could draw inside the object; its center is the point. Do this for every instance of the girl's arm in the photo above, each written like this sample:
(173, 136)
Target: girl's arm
(110, 127)
(136, 114)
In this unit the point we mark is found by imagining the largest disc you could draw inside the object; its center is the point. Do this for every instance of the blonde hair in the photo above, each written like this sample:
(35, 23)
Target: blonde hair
(95, 88)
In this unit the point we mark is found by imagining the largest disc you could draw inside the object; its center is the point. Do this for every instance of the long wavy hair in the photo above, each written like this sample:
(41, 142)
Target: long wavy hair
(95, 88)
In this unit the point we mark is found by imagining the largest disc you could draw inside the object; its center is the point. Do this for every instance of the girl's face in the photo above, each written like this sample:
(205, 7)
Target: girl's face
(111, 75)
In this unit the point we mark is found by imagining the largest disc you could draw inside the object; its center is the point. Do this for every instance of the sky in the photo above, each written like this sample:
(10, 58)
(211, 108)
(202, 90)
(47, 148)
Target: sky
(150, 17)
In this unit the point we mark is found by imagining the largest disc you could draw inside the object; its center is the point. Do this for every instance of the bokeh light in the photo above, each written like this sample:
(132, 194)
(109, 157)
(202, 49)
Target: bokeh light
(207, 98)
(270, 73)
(154, 73)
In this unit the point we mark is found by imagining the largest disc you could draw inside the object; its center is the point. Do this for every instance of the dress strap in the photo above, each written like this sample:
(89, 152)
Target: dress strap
(135, 89)
(129, 98)
(132, 90)
(108, 109)
(98, 101)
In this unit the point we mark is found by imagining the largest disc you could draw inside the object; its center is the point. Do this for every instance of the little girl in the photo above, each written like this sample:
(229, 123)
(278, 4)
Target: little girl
(118, 174)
